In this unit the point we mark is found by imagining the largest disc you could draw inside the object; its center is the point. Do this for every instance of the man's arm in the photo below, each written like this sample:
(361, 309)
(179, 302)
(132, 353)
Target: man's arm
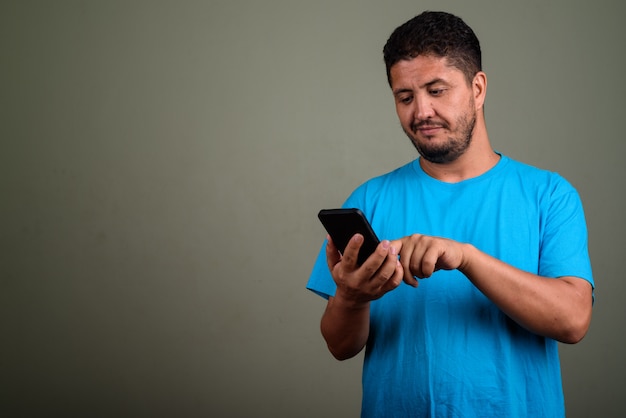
(345, 323)
(345, 326)
(558, 308)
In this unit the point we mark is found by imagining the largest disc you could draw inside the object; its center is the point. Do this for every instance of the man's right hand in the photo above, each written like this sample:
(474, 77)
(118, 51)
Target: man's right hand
(345, 323)
(379, 274)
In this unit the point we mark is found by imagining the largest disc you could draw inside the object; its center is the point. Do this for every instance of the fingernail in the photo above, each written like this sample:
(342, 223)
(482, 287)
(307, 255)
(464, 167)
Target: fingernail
(385, 244)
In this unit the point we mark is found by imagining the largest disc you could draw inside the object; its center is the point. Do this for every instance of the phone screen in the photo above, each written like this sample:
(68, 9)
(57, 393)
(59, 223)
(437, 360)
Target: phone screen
(342, 224)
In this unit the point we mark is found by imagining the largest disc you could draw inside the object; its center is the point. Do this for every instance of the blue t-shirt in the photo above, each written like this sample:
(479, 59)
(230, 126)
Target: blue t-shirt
(443, 349)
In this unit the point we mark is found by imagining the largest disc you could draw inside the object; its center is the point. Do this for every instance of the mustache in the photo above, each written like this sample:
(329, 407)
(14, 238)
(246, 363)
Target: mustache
(429, 124)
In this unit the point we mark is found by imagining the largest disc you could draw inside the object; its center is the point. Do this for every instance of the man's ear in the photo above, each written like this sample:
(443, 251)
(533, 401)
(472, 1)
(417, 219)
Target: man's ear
(479, 88)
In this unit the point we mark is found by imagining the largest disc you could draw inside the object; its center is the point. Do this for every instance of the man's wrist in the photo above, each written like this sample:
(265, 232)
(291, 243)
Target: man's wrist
(344, 301)
(468, 252)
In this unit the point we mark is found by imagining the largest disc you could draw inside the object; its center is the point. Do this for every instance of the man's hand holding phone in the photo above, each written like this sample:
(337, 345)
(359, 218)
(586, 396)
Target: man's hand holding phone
(379, 273)
(364, 269)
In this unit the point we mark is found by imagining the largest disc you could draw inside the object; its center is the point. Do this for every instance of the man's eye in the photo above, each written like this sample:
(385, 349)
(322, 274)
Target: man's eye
(405, 100)
(436, 92)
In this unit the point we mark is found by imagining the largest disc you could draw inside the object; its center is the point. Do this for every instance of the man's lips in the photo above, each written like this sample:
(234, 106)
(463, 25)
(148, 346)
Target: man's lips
(428, 130)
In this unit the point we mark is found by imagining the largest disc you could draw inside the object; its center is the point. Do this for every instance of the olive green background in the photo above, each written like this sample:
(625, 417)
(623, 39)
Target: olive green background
(162, 165)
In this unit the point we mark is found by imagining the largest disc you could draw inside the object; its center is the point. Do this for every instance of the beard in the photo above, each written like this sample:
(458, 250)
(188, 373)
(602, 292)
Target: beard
(458, 142)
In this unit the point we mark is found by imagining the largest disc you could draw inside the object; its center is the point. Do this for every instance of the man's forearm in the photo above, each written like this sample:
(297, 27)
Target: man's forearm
(555, 308)
(345, 327)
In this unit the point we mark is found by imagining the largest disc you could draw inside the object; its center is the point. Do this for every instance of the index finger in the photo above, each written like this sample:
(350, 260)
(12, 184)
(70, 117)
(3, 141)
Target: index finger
(378, 257)
(397, 244)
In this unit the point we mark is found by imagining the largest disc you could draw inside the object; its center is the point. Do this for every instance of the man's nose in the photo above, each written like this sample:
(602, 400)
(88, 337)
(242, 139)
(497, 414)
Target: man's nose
(423, 108)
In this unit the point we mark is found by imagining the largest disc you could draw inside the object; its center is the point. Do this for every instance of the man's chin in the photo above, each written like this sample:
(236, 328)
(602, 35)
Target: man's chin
(438, 158)
(437, 155)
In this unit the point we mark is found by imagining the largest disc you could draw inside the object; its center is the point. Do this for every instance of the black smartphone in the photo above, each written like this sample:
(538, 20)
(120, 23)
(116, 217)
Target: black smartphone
(342, 224)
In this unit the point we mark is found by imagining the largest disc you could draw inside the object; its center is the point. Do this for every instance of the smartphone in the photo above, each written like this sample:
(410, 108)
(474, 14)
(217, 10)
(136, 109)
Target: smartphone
(342, 224)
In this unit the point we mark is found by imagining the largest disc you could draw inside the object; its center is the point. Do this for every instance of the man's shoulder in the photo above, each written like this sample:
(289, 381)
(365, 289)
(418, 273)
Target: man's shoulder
(370, 192)
(531, 172)
(406, 171)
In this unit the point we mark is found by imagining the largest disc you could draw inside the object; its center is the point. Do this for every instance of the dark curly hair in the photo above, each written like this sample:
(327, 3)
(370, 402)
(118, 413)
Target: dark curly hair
(435, 33)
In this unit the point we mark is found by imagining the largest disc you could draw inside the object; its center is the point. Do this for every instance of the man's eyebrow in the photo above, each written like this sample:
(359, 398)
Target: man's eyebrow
(425, 85)
(401, 90)
(435, 81)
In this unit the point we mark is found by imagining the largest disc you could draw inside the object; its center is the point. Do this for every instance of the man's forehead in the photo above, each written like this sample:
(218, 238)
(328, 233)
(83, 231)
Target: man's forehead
(424, 70)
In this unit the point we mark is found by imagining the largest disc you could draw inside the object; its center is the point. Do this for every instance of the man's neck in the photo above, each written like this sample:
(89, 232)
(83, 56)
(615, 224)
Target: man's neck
(458, 171)
(477, 160)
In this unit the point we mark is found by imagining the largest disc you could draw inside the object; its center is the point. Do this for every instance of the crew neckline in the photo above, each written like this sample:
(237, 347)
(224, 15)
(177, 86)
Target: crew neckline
(486, 175)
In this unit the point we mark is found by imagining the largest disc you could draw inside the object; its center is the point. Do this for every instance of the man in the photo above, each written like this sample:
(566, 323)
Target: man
(503, 245)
